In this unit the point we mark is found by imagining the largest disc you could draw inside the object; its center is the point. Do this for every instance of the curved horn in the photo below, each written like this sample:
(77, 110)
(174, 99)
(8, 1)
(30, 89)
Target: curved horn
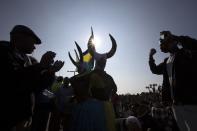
(76, 55)
(114, 47)
(72, 60)
(90, 39)
(80, 52)
(92, 33)
(91, 46)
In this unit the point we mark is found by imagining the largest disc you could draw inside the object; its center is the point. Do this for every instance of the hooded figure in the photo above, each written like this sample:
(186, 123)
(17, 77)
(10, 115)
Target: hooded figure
(93, 90)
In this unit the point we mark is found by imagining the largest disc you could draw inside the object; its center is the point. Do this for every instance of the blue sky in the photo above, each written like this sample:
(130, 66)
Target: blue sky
(135, 24)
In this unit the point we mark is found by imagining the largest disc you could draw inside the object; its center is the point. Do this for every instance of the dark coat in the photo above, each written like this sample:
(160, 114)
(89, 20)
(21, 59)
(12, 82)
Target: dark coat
(18, 82)
(184, 69)
(161, 69)
(97, 84)
(102, 85)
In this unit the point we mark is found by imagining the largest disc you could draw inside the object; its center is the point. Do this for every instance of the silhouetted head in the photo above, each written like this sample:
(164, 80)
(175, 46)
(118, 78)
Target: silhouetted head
(133, 124)
(167, 43)
(24, 39)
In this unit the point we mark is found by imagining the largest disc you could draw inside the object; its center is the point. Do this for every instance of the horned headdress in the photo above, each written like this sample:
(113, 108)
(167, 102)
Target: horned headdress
(85, 61)
(101, 58)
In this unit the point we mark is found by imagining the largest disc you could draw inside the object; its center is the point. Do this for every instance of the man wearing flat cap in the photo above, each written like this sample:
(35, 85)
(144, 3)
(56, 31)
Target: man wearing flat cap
(19, 78)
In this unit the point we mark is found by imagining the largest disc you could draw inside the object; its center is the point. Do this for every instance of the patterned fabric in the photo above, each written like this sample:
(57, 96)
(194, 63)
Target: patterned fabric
(88, 116)
(93, 115)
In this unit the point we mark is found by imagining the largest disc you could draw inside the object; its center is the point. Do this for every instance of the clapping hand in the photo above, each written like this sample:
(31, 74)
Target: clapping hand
(57, 66)
(47, 61)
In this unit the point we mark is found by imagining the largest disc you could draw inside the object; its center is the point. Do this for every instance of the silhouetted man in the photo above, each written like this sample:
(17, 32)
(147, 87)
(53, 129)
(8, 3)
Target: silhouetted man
(20, 78)
(179, 80)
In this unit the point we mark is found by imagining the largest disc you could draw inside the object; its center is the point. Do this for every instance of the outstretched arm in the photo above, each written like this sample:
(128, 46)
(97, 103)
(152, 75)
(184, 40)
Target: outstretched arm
(155, 69)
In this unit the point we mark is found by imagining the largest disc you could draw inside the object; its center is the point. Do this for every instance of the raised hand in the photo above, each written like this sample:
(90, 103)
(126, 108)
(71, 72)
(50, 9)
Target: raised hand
(152, 52)
(57, 66)
(47, 59)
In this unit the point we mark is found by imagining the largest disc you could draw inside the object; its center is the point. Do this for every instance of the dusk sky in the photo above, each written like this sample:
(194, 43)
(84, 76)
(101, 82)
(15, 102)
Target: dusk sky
(135, 24)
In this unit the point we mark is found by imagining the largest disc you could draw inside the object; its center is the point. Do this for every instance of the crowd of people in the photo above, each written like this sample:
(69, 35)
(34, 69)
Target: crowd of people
(35, 99)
